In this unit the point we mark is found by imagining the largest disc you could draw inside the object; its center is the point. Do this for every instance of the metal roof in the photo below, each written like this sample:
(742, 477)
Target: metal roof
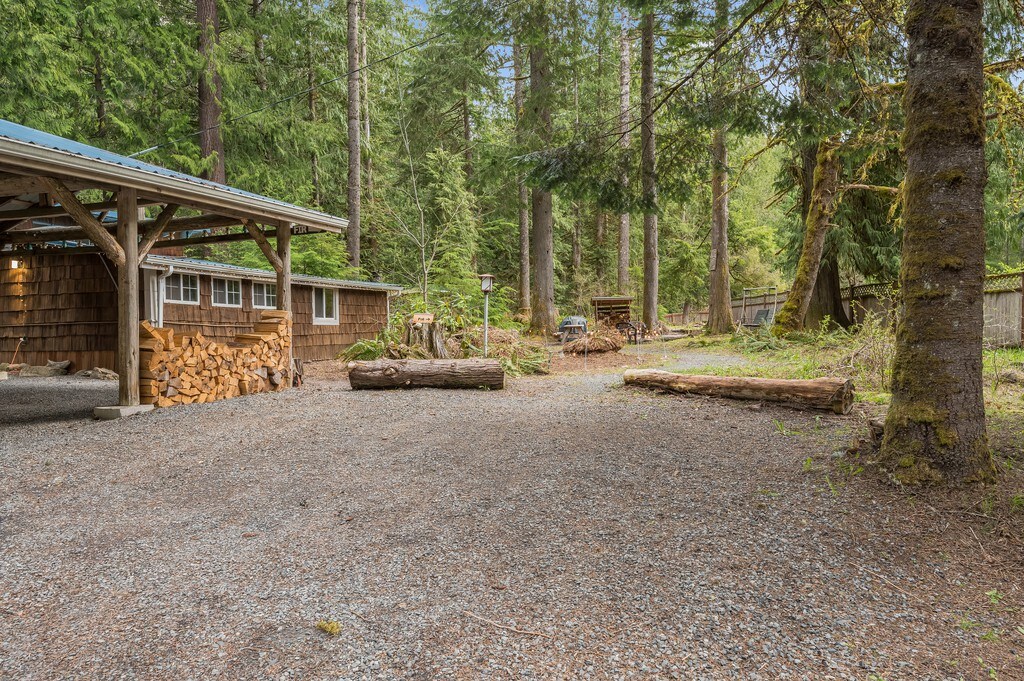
(33, 151)
(197, 266)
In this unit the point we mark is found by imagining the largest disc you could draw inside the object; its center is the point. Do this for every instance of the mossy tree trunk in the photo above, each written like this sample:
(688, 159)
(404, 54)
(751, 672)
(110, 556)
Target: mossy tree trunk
(819, 213)
(827, 298)
(935, 429)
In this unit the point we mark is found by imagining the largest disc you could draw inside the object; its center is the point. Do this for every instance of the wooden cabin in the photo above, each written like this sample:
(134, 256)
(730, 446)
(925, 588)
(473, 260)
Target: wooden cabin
(63, 307)
(75, 279)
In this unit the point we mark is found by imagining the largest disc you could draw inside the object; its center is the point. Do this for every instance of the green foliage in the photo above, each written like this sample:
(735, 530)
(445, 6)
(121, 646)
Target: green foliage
(446, 148)
(366, 349)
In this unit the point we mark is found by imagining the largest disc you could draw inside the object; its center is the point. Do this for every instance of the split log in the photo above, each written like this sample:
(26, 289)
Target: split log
(830, 394)
(427, 373)
(196, 370)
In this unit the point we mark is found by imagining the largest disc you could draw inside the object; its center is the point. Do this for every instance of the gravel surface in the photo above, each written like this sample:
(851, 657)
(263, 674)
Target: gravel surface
(26, 401)
(563, 527)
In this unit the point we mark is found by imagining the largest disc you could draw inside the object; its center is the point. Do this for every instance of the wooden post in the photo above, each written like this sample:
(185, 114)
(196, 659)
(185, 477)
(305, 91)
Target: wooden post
(284, 275)
(284, 284)
(128, 298)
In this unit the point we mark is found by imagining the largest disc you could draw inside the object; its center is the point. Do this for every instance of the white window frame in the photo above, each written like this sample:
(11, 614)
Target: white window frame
(326, 321)
(263, 284)
(227, 293)
(181, 277)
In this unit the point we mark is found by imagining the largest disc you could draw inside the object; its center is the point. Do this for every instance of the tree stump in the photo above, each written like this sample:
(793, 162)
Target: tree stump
(429, 336)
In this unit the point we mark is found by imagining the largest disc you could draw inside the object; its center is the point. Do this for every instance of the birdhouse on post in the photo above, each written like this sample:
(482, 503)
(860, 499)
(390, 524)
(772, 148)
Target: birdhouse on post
(486, 285)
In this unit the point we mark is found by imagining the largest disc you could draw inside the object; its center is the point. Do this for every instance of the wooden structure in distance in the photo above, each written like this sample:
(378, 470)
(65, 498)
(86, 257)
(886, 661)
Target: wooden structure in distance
(41, 176)
(611, 310)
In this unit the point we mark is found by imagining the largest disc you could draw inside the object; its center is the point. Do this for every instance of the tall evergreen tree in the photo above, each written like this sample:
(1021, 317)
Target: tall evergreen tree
(935, 430)
(542, 305)
(625, 79)
(648, 172)
(719, 297)
(211, 94)
(522, 193)
(355, 164)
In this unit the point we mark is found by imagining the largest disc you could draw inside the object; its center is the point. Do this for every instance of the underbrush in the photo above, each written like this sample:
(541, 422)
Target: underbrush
(518, 356)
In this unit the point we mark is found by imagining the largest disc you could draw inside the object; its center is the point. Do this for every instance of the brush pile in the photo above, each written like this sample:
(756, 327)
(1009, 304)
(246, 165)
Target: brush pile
(518, 356)
(602, 339)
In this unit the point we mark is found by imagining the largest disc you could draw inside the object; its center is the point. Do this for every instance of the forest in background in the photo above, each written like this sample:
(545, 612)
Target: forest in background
(468, 113)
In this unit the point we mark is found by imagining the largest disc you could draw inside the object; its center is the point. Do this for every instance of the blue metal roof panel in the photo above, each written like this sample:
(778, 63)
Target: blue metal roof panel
(25, 135)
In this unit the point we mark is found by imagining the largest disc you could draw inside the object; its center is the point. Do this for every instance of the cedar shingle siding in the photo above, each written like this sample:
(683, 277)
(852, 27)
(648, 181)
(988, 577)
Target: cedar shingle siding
(65, 306)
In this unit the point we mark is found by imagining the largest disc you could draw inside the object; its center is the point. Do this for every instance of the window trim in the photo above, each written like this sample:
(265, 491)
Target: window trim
(213, 293)
(326, 321)
(172, 301)
(264, 284)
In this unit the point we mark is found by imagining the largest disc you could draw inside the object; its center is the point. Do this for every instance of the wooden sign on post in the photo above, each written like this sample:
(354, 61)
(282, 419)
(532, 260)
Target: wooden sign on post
(423, 318)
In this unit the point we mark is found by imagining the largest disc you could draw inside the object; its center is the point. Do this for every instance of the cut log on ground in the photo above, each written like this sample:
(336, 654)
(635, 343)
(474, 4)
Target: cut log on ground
(830, 394)
(427, 373)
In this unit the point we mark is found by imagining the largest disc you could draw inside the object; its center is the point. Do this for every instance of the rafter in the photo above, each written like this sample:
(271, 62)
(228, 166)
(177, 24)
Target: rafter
(261, 240)
(92, 227)
(156, 228)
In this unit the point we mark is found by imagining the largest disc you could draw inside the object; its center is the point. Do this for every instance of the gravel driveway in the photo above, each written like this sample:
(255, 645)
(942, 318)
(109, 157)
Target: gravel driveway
(563, 527)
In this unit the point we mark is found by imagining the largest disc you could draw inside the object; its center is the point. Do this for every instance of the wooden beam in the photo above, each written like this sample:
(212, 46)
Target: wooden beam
(284, 283)
(36, 238)
(154, 230)
(57, 211)
(17, 185)
(128, 298)
(97, 234)
(261, 240)
(175, 225)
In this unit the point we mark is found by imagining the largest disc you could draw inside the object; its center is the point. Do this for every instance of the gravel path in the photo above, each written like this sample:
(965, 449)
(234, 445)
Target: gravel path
(563, 527)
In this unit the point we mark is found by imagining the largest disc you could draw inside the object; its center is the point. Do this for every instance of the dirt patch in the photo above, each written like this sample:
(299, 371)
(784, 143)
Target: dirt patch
(325, 370)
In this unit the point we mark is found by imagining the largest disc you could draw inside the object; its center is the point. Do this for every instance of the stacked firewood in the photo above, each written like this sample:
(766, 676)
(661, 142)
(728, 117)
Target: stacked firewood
(196, 370)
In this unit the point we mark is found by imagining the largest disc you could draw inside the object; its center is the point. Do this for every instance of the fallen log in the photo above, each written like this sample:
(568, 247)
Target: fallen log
(426, 373)
(831, 394)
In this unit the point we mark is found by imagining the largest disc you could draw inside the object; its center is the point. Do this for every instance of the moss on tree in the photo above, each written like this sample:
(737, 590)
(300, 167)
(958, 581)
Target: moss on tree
(820, 211)
(935, 430)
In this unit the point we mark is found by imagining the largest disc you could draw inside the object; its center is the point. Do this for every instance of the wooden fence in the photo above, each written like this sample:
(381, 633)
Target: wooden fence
(1004, 308)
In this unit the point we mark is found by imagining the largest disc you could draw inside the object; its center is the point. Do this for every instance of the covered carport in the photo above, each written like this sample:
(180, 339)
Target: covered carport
(56, 195)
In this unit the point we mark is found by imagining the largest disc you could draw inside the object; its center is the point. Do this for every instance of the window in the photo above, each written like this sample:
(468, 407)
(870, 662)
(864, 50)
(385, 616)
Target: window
(182, 288)
(227, 292)
(325, 306)
(264, 295)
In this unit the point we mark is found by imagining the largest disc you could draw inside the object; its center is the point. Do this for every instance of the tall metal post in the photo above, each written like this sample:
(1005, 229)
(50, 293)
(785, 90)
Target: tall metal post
(486, 284)
(487, 298)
